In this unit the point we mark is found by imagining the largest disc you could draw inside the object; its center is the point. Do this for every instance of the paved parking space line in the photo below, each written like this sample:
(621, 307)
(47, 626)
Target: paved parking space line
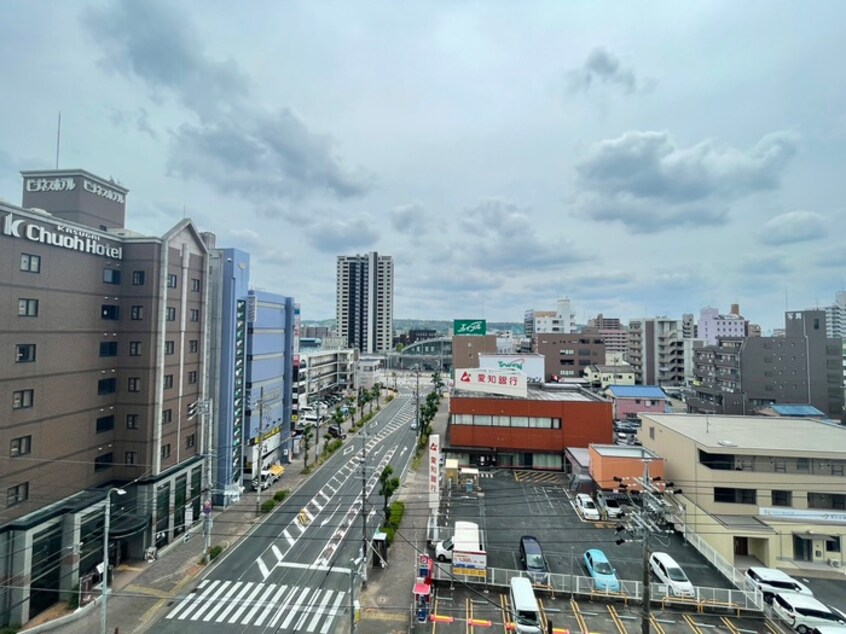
(621, 628)
(692, 623)
(503, 603)
(579, 618)
(731, 626)
(659, 629)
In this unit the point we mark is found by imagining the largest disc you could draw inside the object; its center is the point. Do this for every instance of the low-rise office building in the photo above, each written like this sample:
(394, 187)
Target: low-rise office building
(759, 490)
(601, 376)
(630, 400)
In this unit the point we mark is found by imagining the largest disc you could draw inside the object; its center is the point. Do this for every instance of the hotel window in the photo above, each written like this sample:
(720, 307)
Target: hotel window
(165, 451)
(138, 278)
(110, 311)
(133, 384)
(189, 441)
(27, 307)
(169, 347)
(193, 345)
(17, 494)
(111, 276)
(130, 458)
(103, 461)
(30, 263)
(167, 416)
(192, 377)
(22, 399)
(20, 446)
(105, 423)
(106, 386)
(24, 353)
(171, 280)
(134, 348)
(195, 314)
(108, 348)
(132, 421)
(171, 313)
(168, 381)
(136, 313)
(195, 285)
(735, 496)
(782, 498)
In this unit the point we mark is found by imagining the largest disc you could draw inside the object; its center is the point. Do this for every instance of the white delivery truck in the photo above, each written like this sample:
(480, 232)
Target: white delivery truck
(465, 550)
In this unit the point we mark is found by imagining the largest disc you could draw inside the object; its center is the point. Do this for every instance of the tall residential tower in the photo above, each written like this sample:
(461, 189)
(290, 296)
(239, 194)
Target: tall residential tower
(365, 301)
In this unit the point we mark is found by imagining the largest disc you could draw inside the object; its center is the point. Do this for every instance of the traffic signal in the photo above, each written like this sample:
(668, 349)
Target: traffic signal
(192, 409)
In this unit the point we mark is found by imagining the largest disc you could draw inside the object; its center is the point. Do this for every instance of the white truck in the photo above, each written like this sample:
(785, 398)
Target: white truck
(465, 550)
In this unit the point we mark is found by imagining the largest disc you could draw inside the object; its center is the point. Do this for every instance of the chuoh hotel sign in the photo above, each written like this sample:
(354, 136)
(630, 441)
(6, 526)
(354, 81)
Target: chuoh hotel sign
(60, 236)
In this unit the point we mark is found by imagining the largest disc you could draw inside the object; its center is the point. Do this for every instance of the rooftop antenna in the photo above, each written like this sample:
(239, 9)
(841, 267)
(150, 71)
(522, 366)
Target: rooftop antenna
(58, 138)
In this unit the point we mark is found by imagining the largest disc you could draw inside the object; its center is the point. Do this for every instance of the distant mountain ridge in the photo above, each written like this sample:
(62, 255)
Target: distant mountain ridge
(438, 325)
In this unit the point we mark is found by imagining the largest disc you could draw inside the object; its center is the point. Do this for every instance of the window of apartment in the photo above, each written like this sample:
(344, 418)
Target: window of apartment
(167, 416)
(138, 278)
(106, 386)
(130, 458)
(30, 263)
(171, 280)
(782, 498)
(132, 421)
(195, 314)
(27, 307)
(111, 276)
(105, 423)
(20, 446)
(168, 381)
(134, 384)
(17, 494)
(836, 468)
(24, 352)
(165, 451)
(22, 399)
(828, 501)
(134, 348)
(190, 440)
(103, 461)
(735, 496)
(195, 285)
(110, 311)
(832, 544)
(171, 313)
(108, 348)
(136, 313)
(192, 377)
(803, 465)
(170, 347)
(780, 465)
(193, 345)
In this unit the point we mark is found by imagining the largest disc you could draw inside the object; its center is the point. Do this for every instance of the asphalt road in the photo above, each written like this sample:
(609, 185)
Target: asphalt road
(292, 574)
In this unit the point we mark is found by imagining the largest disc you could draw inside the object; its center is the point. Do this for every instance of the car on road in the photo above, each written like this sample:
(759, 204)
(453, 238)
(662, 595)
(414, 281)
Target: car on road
(532, 559)
(771, 581)
(668, 571)
(803, 612)
(335, 431)
(587, 507)
(601, 571)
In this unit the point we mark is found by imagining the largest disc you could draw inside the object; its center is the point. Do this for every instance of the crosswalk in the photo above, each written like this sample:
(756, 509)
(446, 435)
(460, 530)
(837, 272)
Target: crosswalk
(289, 608)
(549, 477)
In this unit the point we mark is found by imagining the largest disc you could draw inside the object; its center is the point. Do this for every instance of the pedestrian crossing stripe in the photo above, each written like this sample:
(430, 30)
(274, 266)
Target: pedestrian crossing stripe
(291, 608)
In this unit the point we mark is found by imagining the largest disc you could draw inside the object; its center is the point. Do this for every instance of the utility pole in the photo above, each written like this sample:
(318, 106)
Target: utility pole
(204, 409)
(364, 540)
(646, 614)
(354, 564)
(417, 402)
(260, 480)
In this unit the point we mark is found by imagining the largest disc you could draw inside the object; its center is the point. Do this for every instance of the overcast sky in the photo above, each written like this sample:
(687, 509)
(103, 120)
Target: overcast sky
(641, 159)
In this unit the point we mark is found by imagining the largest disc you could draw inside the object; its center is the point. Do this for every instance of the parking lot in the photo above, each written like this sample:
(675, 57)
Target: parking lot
(508, 505)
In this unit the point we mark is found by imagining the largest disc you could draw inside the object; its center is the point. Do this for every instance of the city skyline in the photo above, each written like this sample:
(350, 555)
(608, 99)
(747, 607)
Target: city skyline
(641, 163)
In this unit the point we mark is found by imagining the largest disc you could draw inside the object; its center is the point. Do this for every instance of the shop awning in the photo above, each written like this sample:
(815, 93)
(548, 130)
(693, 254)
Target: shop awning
(421, 589)
(809, 535)
(276, 470)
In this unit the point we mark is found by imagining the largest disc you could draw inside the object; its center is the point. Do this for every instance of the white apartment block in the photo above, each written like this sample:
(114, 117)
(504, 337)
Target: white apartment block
(713, 325)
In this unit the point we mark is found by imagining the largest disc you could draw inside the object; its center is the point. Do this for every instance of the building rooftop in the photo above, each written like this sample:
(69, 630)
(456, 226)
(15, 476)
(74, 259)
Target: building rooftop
(637, 391)
(556, 393)
(625, 451)
(797, 410)
(755, 433)
(625, 367)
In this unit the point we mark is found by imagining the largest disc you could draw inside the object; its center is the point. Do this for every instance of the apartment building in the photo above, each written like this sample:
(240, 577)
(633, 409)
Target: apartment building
(560, 320)
(601, 376)
(713, 325)
(760, 491)
(365, 301)
(568, 356)
(658, 350)
(105, 342)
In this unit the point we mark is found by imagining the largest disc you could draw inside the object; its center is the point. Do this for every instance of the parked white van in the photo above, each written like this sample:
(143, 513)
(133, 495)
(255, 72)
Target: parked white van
(771, 581)
(524, 606)
(669, 572)
(803, 613)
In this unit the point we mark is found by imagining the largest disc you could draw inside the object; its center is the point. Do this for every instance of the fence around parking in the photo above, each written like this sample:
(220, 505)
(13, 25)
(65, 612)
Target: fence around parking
(704, 599)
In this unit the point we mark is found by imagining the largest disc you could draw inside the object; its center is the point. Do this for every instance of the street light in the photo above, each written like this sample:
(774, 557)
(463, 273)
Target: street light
(105, 584)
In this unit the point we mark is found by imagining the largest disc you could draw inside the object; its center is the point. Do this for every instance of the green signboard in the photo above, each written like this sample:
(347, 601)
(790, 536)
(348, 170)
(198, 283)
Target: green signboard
(469, 327)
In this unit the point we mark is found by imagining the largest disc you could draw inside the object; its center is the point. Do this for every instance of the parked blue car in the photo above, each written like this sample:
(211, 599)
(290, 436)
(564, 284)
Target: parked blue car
(599, 568)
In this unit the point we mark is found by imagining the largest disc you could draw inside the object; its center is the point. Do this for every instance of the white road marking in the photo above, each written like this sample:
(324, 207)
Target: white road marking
(265, 573)
(307, 609)
(182, 604)
(214, 607)
(248, 601)
(318, 612)
(214, 587)
(282, 607)
(294, 564)
(333, 613)
(291, 540)
(268, 607)
(349, 449)
(293, 612)
(234, 600)
(277, 552)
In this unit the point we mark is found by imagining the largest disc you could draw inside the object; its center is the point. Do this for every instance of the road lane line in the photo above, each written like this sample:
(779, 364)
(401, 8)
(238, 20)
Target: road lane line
(333, 613)
(248, 601)
(291, 541)
(265, 573)
(294, 609)
(318, 612)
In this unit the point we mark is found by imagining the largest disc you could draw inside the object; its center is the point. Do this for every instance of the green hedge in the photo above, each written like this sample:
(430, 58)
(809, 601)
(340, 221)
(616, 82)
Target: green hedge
(267, 506)
(395, 513)
(280, 496)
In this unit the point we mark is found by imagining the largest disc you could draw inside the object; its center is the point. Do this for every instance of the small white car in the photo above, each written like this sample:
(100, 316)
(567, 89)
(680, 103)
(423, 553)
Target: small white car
(803, 612)
(587, 507)
(668, 571)
(771, 581)
(609, 506)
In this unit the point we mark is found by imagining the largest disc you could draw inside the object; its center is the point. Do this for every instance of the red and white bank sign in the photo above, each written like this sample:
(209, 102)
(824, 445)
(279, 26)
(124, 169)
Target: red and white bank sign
(434, 465)
(507, 382)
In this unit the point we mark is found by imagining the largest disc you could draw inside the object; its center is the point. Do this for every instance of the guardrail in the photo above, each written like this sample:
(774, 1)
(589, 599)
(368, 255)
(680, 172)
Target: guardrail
(558, 584)
(718, 561)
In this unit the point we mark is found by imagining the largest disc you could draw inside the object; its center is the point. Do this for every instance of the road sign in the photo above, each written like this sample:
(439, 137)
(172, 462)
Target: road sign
(207, 507)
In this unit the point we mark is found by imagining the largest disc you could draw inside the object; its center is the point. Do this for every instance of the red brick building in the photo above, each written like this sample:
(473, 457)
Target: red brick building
(532, 432)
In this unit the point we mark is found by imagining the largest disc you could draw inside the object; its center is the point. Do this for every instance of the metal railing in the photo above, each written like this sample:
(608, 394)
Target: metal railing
(559, 584)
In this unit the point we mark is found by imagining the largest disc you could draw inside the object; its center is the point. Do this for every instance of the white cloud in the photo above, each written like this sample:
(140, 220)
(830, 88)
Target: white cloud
(794, 226)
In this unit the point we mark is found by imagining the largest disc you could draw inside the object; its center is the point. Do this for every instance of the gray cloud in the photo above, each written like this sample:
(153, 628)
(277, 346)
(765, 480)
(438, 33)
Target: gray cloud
(409, 219)
(334, 235)
(645, 181)
(794, 226)
(128, 119)
(764, 264)
(237, 147)
(834, 257)
(602, 66)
